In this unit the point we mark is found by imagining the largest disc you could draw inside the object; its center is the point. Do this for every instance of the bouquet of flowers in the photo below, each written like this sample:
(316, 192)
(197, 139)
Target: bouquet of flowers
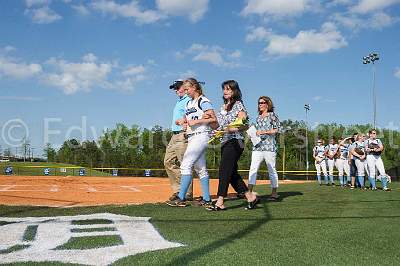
(216, 135)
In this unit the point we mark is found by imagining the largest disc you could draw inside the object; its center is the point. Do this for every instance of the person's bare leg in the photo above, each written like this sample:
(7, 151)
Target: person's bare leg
(274, 193)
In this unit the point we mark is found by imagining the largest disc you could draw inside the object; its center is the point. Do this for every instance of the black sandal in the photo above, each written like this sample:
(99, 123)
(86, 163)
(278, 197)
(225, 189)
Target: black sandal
(252, 204)
(215, 208)
(271, 198)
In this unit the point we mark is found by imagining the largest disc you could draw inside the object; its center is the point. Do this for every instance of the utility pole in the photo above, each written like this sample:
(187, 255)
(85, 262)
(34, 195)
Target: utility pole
(307, 108)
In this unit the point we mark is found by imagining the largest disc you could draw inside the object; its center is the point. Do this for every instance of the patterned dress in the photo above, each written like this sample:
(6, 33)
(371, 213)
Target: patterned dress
(268, 142)
(225, 118)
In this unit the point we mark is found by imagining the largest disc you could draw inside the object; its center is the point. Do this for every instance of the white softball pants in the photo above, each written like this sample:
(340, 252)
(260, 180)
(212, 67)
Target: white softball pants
(319, 166)
(343, 164)
(361, 167)
(331, 164)
(375, 161)
(195, 155)
(256, 159)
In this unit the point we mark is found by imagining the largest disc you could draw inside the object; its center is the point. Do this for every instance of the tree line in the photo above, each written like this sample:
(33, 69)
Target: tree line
(136, 147)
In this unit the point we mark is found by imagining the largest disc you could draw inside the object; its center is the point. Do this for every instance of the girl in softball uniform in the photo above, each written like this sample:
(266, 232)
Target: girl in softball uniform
(342, 163)
(331, 151)
(232, 145)
(198, 119)
(267, 125)
(374, 148)
(319, 152)
(358, 152)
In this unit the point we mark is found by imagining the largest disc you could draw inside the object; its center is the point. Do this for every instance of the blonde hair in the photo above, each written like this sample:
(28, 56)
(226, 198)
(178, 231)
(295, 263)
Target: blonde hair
(194, 83)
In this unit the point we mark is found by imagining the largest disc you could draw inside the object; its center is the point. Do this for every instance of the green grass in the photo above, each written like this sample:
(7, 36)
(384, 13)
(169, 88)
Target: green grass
(37, 168)
(30, 233)
(91, 221)
(311, 225)
(100, 229)
(88, 242)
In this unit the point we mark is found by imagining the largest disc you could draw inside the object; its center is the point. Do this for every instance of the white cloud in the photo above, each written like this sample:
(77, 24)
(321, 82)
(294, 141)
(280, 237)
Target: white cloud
(30, 3)
(215, 55)
(311, 41)
(90, 73)
(350, 21)
(19, 70)
(74, 77)
(134, 70)
(71, 77)
(367, 6)
(355, 22)
(7, 49)
(278, 8)
(43, 15)
(81, 9)
(340, 3)
(235, 54)
(194, 9)
(130, 10)
(188, 74)
(258, 34)
(89, 58)
(397, 73)
(317, 98)
(381, 20)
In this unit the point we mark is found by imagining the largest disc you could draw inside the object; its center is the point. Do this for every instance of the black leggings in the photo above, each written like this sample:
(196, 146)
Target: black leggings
(228, 169)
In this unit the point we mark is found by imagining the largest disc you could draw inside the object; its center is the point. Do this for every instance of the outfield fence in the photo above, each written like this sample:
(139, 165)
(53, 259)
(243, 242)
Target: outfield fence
(52, 170)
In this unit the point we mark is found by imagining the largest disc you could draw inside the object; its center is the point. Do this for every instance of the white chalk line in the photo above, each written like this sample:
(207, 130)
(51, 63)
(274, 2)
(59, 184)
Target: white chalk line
(56, 188)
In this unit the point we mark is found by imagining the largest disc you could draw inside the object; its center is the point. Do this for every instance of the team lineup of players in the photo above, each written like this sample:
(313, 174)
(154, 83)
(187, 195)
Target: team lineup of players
(354, 157)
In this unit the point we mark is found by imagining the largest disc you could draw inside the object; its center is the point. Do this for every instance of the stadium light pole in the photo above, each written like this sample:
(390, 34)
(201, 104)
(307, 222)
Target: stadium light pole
(371, 58)
(307, 108)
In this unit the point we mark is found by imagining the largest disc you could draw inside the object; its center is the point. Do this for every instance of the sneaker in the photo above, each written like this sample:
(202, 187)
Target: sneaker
(174, 197)
(176, 203)
(206, 204)
(333, 184)
(386, 189)
(202, 203)
(351, 187)
(374, 188)
(189, 197)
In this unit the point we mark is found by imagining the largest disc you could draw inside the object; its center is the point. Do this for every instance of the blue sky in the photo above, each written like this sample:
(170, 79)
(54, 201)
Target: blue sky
(99, 62)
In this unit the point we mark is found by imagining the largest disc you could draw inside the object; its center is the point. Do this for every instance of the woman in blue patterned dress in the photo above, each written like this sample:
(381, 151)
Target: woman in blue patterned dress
(267, 126)
(232, 146)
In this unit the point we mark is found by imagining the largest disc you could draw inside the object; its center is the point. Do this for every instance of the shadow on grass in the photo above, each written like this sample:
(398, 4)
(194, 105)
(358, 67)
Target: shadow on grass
(203, 251)
(265, 198)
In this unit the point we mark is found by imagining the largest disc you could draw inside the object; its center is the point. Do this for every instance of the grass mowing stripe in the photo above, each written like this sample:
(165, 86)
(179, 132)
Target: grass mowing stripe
(13, 249)
(100, 229)
(30, 233)
(88, 242)
(92, 221)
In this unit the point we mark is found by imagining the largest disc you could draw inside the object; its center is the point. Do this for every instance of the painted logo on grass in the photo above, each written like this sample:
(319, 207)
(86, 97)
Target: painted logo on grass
(96, 239)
